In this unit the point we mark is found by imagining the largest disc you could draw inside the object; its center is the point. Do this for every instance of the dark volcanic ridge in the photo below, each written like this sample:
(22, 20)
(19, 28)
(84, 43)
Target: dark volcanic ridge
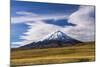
(55, 39)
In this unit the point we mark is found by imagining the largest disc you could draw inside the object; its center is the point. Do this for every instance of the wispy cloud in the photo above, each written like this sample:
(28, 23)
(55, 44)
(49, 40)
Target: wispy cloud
(29, 16)
(38, 30)
(84, 29)
(16, 44)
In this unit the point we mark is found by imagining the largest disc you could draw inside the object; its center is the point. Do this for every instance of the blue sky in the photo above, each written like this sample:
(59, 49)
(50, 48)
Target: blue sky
(29, 18)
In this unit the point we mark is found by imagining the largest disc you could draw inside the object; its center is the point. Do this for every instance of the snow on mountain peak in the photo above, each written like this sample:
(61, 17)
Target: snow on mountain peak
(58, 35)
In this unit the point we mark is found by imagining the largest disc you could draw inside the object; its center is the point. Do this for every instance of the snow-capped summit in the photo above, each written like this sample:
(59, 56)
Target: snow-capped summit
(55, 39)
(58, 35)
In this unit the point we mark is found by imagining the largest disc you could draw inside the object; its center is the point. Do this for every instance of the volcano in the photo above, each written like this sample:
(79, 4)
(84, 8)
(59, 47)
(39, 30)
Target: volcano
(54, 39)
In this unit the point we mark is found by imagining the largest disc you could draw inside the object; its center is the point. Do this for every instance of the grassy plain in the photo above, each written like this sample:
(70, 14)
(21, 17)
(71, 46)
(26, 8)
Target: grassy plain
(82, 52)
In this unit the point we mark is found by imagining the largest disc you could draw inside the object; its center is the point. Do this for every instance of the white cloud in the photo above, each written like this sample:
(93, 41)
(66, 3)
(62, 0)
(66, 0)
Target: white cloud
(29, 16)
(38, 30)
(25, 13)
(16, 44)
(84, 29)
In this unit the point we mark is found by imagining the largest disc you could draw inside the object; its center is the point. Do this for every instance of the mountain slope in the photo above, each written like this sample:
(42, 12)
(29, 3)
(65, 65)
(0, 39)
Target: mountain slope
(55, 39)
